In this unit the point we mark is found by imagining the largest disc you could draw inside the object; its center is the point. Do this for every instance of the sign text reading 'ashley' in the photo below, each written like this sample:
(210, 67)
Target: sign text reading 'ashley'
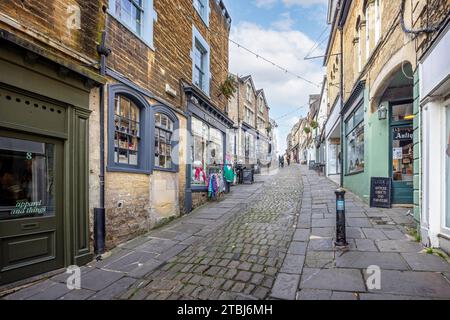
(226, 309)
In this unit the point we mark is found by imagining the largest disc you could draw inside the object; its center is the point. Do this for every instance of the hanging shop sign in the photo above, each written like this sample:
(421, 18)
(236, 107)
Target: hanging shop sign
(381, 192)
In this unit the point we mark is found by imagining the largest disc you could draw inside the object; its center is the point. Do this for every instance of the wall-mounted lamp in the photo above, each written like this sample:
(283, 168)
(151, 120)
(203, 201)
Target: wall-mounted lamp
(382, 112)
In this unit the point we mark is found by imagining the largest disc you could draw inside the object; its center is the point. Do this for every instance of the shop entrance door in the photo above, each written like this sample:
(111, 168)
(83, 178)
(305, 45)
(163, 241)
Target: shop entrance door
(402, 164)
(31, 214)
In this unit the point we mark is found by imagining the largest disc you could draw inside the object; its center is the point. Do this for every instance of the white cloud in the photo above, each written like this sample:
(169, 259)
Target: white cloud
(267, 4)
(287, 48)
(304, 3)
(285, 22)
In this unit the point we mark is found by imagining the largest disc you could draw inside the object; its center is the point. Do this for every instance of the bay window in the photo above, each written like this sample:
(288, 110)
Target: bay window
(354, 130)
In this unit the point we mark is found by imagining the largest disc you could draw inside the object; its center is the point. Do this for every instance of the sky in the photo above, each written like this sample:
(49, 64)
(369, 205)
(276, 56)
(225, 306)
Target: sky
(284, 32)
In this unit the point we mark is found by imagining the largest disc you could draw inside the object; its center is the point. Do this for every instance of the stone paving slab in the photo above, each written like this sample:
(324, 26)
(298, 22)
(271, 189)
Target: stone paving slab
(426, 262)
(410, 283)
(285, 286)
(333, 279)
(362, 260)
(398, 246)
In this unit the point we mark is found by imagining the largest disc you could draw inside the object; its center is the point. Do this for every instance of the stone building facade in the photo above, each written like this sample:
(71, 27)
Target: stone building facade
(107, 98)
(169, 69)
(249, 110)
(49, 79)
(380, 115)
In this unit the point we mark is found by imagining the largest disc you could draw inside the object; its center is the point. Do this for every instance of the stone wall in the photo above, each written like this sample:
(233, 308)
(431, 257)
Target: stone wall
(47, 23)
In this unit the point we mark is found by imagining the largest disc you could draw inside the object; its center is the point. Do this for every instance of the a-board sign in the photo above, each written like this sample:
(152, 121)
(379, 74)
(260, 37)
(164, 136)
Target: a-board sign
(381, 192)
(247, 176)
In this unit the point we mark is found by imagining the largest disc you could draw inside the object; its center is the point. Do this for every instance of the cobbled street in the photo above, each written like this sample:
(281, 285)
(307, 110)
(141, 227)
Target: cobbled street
(269, 240)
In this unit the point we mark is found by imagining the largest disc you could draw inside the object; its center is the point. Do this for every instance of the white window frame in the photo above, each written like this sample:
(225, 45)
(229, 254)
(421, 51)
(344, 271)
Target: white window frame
(367, 16)
(249, 92)
(198, 39)
(359, 49)
(261, 105)
(205, 15)
(149, 17)
(377, 20)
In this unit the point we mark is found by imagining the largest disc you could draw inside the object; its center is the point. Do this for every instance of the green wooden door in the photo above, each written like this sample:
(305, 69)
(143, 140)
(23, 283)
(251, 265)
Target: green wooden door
(31, 215)
(402, 162)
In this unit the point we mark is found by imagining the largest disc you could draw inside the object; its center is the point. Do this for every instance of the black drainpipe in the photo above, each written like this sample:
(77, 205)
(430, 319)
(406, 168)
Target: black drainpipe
(99, 213)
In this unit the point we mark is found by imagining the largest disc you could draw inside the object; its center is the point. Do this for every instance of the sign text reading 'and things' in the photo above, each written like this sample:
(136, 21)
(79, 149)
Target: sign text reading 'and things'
(28, 208)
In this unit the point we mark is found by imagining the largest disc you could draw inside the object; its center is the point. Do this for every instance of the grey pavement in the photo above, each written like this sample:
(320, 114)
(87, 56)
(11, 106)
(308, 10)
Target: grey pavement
(269, 240)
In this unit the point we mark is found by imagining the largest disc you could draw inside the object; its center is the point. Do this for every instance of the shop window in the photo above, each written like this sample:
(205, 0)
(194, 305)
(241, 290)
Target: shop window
(126, 134)
(249, 146)
(201, 62)
(447, 158)
(164, 127)
(27, 179)
(202, 8)
(136, 15)
(128, 144)
(355, 141)
(207, 150)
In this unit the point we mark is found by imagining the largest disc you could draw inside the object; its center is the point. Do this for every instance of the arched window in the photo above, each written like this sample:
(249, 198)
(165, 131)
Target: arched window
(126, 131)
(166, 126)
(127, 136)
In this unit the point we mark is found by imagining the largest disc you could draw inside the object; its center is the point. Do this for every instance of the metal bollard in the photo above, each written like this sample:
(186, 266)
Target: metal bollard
(341, 240)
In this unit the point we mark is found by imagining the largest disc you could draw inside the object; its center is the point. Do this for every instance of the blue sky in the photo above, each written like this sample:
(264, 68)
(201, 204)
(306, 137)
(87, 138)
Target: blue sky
(283, 31)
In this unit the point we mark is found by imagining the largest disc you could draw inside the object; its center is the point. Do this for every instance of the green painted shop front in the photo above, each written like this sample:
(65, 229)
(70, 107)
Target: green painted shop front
(44, 135)
(380, 146)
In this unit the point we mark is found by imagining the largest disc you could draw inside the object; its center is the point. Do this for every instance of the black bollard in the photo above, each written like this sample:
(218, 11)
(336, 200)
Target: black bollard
(341, 240)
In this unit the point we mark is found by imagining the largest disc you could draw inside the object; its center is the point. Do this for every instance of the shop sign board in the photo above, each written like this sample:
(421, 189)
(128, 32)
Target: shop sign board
(381, 192)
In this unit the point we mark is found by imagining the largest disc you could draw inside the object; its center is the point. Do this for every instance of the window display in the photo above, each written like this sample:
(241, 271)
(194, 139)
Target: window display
(26, 179)
(207, 150)
(355, 141)
(127, 131)
(163, 141)
(402, 153)
(447, 182)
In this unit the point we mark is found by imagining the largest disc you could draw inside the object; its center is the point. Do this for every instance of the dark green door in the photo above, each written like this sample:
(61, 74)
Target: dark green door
(31, 221)
(402, 163)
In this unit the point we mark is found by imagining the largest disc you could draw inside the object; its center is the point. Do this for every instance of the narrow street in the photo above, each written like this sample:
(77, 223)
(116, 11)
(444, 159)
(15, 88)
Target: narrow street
(269, 240)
